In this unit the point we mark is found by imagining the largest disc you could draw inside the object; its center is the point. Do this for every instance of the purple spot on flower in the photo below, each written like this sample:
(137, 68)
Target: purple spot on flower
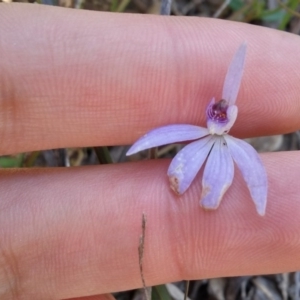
(218, 111)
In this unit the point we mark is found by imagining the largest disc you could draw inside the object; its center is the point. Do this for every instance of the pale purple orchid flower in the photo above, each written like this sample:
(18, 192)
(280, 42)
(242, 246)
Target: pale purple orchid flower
(214, 145)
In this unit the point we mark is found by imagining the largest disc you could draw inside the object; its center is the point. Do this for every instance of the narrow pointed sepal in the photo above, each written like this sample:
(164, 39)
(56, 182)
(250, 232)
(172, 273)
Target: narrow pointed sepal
(234, 75)
(218, 175)
(252, 169)
(187, 163)
(167, 135)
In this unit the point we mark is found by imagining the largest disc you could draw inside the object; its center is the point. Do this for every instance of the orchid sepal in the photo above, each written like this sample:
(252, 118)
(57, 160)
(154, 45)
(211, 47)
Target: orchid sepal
(167, 135)
(252, 169)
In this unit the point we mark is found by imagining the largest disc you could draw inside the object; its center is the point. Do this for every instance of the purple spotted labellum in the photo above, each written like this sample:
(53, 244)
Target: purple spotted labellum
(214, 146)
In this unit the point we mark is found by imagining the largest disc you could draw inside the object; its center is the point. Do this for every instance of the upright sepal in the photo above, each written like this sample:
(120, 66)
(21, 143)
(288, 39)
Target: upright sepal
(234, 76)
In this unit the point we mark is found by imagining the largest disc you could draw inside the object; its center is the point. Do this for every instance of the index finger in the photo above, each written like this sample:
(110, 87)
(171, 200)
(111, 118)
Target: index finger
(76, 78)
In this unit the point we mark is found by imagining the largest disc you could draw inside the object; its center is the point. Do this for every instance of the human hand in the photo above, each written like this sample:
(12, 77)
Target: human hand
(71, 78)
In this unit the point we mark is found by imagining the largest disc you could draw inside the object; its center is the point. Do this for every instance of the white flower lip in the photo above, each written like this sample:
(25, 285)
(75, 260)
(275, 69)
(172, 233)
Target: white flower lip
(214, 144)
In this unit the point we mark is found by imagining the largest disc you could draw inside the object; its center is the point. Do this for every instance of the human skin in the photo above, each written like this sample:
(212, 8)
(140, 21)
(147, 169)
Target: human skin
(73, 78)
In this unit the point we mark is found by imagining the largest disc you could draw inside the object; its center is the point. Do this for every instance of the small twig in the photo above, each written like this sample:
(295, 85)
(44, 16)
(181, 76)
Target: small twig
(289, 10)
(141, 256)
(30, 159)
(67, 158)
(187, 286)
(165, 7)
(221, 9)
(164, 150)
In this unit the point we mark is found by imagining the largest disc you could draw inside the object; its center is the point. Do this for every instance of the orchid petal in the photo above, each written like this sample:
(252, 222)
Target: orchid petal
(218, 175)
(167, 135)
(219, 128)
(234, 75)
(187, 163)
(252, 170)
